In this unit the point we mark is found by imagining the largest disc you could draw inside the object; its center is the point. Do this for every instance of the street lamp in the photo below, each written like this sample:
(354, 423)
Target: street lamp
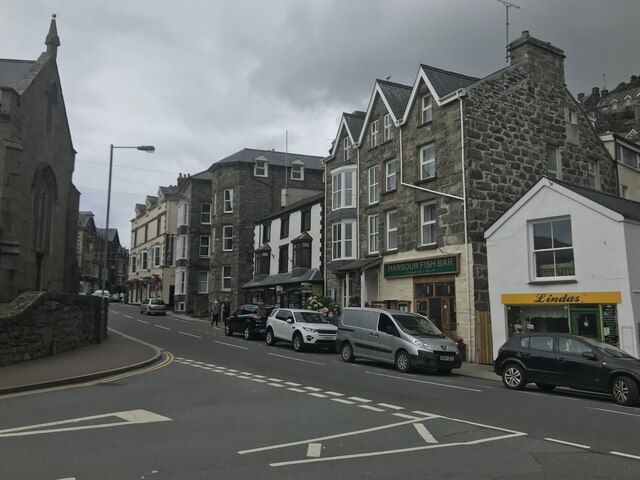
(144, 148)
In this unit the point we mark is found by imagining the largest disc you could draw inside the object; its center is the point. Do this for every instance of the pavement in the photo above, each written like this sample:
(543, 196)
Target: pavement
(117, 354)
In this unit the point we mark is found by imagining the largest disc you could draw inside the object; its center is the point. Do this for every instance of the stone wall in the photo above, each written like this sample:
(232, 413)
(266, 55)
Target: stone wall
(41, 324)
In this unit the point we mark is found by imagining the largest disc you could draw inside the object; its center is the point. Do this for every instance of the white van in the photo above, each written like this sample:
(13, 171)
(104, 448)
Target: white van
(406, 340)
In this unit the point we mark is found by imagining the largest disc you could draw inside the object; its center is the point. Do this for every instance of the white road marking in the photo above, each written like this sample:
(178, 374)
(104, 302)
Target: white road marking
(424, 433)
(571, 444)
(236, 371)
(231, 374)
(160, 326)
(260, 376)
(335, 394)
(142, 321)
(292, 384)
(392, 407)
(274, 379)
(423, 381)
(614, 411)
(189, 334)
(244, 377)
(230, 345)
(358, 399)
(129, 418)
(372, 408)
(404, 415)
(626, 455)
(128, 316)
(259, 380)
(425, 414)
(296, 359)
(342, 400)
(299, 390)
(314, 450)
(314, 389)
(273, 384)
(319, 395)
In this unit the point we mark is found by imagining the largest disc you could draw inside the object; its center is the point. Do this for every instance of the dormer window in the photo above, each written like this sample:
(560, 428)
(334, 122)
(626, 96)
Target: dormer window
(261, 168)
(627, 100)
(297, 170)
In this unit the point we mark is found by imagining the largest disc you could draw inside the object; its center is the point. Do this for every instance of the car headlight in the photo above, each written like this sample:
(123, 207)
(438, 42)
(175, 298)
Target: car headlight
(309, 329)
(418, 343)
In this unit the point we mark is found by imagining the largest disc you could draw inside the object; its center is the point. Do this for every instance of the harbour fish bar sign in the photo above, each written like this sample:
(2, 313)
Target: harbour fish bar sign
(422, 267)
(560, 298)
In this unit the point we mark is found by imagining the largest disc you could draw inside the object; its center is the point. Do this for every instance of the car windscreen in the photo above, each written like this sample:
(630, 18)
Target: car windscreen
(310, 317)
(157, 302)
(417, 325)
(608, 349)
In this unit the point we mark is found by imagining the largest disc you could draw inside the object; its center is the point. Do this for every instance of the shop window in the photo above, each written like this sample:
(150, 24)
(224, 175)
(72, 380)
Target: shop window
(553, 249)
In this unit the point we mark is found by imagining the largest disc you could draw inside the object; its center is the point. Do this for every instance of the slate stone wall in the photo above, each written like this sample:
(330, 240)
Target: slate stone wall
(40, 324)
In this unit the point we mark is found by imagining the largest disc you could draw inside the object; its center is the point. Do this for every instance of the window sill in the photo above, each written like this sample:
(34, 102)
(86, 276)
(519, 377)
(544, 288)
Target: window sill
(553, 281)
(425, 181)
(388, 192)
(425, 124)
(427, 247)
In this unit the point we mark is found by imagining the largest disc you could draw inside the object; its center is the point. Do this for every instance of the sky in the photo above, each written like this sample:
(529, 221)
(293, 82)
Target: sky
(202, 79)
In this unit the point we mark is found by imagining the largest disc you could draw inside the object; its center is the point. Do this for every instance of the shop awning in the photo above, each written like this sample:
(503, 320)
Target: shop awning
(312, 275)
(360, 264)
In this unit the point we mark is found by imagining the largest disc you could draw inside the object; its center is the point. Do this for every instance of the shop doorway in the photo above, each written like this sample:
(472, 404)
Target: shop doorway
(435, 298)
(585, 322)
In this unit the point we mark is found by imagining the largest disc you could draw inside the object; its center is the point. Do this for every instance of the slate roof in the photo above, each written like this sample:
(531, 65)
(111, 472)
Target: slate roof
(355, 122)
(627, 208)
(112, 235)
(84, 218)
(632, 92)
(12, 71)
(397, 95)
(248, 155)
(445, 82)
(312, 199)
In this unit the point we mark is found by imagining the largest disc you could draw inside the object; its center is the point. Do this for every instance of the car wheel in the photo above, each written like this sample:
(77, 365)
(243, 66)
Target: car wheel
(227, 330)
(247, 332)
(403, 363)
(298, 342)
(444, 371)
(545, 387)
(271, 339)
(141, 312)
(625, 391)
(346, 352)
(513, 377)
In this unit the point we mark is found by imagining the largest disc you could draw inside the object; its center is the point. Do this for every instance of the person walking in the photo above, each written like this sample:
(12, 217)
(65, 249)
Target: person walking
(215, 313)
(226, 309)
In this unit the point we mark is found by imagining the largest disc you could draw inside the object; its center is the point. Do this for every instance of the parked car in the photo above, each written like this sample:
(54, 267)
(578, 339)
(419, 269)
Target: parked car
(115, 297)
(153, 306)
(303, 328)
(560, 359)
(404, 339)
(249, 319)
(102, 293)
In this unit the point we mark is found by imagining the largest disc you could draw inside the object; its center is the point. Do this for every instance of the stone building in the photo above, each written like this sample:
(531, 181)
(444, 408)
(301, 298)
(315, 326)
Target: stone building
(151, 258)
(38, 201)
(626, 154)
(193, 243)
(117, 262)
(89, 253)
(410, 194)
(250, 185)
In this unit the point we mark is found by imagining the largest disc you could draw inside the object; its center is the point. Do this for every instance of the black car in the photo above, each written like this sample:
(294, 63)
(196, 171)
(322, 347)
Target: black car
(249, 319)
(560, 359)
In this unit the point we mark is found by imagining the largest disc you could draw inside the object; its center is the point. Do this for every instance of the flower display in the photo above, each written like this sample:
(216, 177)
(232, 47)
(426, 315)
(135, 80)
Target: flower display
(322, 305)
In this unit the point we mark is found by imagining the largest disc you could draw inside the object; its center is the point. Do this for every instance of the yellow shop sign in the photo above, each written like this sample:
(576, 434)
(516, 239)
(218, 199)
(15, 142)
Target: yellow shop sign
(560, 298)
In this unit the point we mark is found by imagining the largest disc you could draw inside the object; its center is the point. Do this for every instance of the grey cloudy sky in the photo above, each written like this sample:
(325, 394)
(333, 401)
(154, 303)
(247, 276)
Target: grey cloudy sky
(201, 79)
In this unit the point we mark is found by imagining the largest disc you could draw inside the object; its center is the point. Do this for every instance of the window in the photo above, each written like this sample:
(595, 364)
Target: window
(428, 162)
(570, 116)
(374, 133)
(305, 220)
(205, 213)
(181, 275)
(342, 240)
(594, 174)
(226, 279)
(342, 189)
(263, 262)
(228, 200)
(183, 215)
(553, 249)
(628, 157)
(155, 252)
(428, 223)
(543, 344)
(205, 244)
(553, 162)
(373, 233)
(387, 133)
(392, 230)
(390, 175)
(132, 267)
(284, 227)
(346, 145)
(283, 259)
(181, 254)
(146, 233)
(571, 346)
(203, 281)
(297, 171)
(261, 168)
(427, 109)
(302, 254)
(144, 260)
(374, 185)
(266, 232)
(227, 238)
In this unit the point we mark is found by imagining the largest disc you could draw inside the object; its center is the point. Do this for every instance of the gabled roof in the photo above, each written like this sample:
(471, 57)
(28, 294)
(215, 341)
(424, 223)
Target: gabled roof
(619, 97)
(13, 71)
(85, 220)
(443, 82)
(310, 200)
(393, 95)
(112, 235)
(352, 123)
(249, 155)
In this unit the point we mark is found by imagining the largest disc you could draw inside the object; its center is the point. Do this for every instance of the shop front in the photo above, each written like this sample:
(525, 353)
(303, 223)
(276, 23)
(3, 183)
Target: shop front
(283, 290)
(589, 314)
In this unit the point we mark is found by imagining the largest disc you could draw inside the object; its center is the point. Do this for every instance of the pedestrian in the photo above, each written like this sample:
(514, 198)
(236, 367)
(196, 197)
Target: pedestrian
(226, 309)
(215, 313)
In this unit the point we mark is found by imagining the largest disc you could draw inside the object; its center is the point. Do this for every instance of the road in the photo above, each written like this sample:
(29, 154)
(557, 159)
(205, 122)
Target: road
(225, 408)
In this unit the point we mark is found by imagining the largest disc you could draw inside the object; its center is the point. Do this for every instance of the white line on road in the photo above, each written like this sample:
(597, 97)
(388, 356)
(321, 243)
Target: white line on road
(142, 321)
(626, 455)
(296, 359)
(423, 381)
(160, 326)
(614, 411)
(273, 384)
(314, 389)
(314, 450)
(335, 394)
(424, 433)
(189, 334)
(571, 444)
(392, 407)
(404, 415)
(358, 399)
(274, 379)
(373, 409)
(230, 345)
(342, 400)
(259, 380)
(299, 390)
(128, 316)
(292, 384)
(319, 395)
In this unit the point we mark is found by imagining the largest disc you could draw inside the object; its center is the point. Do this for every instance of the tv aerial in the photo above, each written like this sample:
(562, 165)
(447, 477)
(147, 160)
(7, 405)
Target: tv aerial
(507, 5)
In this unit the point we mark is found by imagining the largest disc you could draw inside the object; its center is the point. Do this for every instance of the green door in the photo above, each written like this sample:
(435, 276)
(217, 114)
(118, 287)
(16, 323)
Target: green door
(586, 322)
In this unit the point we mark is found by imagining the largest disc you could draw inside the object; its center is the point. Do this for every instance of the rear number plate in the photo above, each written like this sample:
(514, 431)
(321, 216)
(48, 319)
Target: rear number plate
(447, 358)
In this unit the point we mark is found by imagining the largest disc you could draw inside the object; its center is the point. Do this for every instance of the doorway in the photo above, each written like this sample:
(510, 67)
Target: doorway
(435, 298)
(585, 322)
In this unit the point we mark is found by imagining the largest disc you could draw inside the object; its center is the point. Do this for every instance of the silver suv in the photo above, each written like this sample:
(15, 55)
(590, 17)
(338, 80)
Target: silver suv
(303, 328)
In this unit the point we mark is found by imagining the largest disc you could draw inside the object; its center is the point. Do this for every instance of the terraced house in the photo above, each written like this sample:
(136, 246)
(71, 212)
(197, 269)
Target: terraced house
(413, 182)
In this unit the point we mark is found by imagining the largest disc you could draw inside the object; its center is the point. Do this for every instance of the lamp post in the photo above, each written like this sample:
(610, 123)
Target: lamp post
(105, 263)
